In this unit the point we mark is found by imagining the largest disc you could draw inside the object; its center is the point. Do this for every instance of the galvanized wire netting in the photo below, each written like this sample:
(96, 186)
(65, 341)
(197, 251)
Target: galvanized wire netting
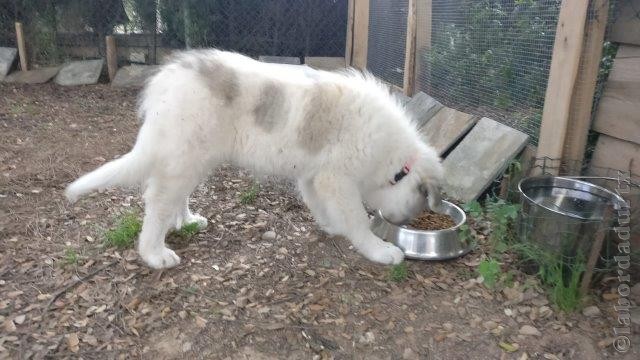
(491, 58)
(147, 30)
(387, 39)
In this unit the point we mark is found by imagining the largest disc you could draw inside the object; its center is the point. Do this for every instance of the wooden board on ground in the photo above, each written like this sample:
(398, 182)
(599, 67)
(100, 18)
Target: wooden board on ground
(628, 51)
(445, 128)
(133, 75)
(325, 63)
(480, 158)
(612, 153)
(422, 107)
(7, 58)
(626, 28)
(619, 109)
(280, 60)
(35, 76)
(84, 72)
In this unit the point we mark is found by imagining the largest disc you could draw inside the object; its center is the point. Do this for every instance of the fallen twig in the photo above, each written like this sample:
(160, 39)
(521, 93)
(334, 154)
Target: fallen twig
(77, 282)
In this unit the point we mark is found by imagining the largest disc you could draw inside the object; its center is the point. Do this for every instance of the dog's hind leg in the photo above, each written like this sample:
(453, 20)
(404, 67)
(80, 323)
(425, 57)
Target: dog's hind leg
(343, 203)
(164, 201)
(186, 217)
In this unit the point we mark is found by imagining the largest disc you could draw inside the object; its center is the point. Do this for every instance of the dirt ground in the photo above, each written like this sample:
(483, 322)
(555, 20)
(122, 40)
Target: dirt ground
(238, 293)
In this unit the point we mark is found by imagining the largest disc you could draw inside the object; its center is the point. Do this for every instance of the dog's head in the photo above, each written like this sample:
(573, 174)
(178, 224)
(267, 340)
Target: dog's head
(407, 191)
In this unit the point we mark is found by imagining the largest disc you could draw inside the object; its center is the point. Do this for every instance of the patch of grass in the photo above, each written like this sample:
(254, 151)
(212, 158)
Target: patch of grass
(489, 269)
(70, 257)
(249, 196)
(399, 273)
(188, 230)
(123, 235)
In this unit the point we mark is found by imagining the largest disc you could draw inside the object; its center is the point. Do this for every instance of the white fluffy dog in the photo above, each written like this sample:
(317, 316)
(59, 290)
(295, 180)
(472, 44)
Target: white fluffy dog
(343, 137)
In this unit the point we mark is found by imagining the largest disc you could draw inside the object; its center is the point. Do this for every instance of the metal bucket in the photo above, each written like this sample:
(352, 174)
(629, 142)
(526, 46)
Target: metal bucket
(563, 214)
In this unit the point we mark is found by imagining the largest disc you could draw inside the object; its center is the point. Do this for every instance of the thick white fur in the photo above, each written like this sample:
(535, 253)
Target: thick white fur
(341, 135)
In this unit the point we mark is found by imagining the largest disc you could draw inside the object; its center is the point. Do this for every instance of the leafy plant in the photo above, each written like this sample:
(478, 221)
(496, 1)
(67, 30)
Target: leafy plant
(398, 273)
(187, 230)
(249, 195)
(474, 209)
(489, 269)
(124, 233)
(501, 214)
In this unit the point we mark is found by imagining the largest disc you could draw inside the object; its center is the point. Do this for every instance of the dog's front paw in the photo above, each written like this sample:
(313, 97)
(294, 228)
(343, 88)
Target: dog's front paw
(163, 259)
(386, 253)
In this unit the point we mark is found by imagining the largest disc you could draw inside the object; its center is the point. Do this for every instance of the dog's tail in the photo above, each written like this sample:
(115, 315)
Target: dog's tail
(128, 170)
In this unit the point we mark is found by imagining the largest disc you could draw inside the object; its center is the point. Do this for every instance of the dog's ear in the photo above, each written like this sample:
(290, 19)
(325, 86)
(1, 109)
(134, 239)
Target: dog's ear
(432, 191)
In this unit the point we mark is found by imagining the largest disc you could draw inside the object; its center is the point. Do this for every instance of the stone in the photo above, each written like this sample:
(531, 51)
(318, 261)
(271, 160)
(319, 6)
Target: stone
(591, 311)
(280, 60)
(480, 157)
(529, 330)
(138, 57)
(7, 58)
(269, 235)
(325, 63)
(84, 72)
(422, 108)
(133, 75)
(35, 76)
(489, 325)
(445, 128)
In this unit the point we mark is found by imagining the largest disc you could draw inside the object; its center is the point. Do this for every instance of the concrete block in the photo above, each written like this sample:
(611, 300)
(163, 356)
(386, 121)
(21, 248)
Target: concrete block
(7, 58)
(422, 107)
(280, 60)
(326, 63)
(133, 75)
(35, 76)
(84, 72)
(445, 128)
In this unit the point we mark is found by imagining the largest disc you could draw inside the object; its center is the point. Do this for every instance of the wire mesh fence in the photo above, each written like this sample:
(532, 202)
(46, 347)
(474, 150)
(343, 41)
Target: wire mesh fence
(387, 39)
(147, 30)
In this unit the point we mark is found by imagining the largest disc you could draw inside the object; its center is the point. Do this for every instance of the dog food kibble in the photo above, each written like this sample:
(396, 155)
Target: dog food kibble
(431, 221)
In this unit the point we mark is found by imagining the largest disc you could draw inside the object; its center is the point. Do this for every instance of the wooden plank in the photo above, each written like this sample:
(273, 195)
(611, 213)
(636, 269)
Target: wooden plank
(617, 154)
(348, 51)
(423, 40)
(422, 108)
(409, 79)
(480, 158)
(565, 62)
(112, 57)
(22, 48)
(626, 28)
(445, 128)
(582, 98)
(628, 51)
(360, 34)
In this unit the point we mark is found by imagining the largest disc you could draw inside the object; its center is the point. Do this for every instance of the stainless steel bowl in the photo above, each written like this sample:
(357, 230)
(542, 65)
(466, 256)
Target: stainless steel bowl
(427, 245)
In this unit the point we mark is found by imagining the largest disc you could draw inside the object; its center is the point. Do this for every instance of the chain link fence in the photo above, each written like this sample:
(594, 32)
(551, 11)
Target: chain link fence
(148, 30)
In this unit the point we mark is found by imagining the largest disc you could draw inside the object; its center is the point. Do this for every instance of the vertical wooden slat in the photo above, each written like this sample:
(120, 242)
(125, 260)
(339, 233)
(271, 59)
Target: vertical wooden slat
(360, 34)
(423, 39)
(565, 62)
(22, 48)
(581, 103)
(348, 53)
(409, 80)
(112, 56)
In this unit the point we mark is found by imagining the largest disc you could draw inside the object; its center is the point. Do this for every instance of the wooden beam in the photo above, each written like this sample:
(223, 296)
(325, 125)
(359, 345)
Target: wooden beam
(423, 40)
(360, 34)
(582, 99)
(22, 48)
(348, 51)
(565, 62)
(112, 56)
(409, 80)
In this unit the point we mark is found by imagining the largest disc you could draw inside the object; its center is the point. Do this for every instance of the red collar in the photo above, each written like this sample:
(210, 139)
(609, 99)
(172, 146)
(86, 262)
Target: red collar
(406, 168)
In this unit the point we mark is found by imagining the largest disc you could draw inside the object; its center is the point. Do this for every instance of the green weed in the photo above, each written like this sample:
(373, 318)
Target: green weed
(70, 256)
(489, 269)
(399, 273)
(123, 235)
(188, 230)
(250, 195)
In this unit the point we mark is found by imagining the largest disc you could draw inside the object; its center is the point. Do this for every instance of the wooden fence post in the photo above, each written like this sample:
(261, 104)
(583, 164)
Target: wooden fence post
(22, 48)
(581, 103)
(409, 80)
(565, 62)
(112, 56)
(360, 34)
(423, 39)
(348, 52)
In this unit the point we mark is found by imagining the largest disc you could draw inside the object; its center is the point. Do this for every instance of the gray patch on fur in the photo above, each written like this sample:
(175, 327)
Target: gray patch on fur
(270, 108)
(221, 80)
(321, 122)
